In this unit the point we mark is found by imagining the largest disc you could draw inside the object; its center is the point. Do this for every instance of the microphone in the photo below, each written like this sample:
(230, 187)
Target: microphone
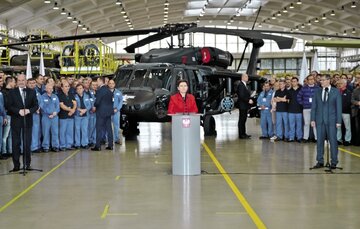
(326, 89)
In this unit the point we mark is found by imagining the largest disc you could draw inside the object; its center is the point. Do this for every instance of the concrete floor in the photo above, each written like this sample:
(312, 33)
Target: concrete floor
(267, 185)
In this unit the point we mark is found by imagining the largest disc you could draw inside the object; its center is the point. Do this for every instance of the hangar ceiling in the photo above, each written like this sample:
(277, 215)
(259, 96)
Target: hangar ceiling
(64, 17)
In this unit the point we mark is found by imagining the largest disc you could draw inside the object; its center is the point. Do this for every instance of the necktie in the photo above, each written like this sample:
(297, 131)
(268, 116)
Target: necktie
(326, 94)
(22, 95)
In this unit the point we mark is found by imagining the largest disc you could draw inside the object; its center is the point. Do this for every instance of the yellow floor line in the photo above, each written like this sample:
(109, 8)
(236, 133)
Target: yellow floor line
(230, 213)
(36, 183)
(255, 218)
(349, 152)
(105, 212)
(122, 214)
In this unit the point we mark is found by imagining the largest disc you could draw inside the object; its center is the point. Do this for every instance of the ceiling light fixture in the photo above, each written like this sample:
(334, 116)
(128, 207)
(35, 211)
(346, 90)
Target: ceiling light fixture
(323, 17)
(345, 33)
(63, 12)
(299, 2)
(74, 20)
(316, 20)
(278, 14)
(84, 28)
(80, 25)
(260, 25)
(47, 1)
(273, 17)
(297, 28)
(285, 10)
(342, 7)
(69, 16)
(353, 5)
(332, 13)
(118, 2)
(166, 3)
(309, 23)
(123, 11)
(291, 6)
(303, 26)
(55, 6)
(353, 30)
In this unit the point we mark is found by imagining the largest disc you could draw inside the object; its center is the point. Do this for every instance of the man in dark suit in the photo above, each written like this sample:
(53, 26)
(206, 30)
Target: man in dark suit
(326, 113)
(22, 103)
(244, 101)
(104, 109)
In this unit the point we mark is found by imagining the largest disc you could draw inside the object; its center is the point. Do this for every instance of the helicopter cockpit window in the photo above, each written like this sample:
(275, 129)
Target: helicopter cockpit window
(122, 77)
(138, 78)
(158, 78)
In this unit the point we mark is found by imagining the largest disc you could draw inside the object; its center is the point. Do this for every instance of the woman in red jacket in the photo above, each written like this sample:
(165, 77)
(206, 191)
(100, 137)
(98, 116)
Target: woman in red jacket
(182, 102)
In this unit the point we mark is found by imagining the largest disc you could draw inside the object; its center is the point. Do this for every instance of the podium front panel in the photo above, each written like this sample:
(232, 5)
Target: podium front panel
(186, 144)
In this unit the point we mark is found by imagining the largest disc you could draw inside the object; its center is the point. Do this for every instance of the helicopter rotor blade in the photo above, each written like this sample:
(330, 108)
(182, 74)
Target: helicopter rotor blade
(86, 36)
(248, 35)
(131, 48)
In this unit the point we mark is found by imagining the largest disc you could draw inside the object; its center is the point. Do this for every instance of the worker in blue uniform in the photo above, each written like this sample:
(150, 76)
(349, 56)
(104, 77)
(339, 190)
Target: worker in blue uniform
(115, 118)
(264, 103)
(83, 105)
(36, 129)
(66, 117)
(50, 107)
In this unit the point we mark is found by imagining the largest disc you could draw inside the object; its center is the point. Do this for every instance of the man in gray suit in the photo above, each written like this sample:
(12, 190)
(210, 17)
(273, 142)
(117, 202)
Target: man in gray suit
(326, 113)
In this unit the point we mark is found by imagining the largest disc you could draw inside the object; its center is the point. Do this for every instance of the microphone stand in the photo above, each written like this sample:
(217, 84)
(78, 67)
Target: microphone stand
(24, 170)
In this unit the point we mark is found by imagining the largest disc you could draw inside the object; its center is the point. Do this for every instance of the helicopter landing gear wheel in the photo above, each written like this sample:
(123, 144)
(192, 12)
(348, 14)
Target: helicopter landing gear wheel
(130, 129)
(209, 125)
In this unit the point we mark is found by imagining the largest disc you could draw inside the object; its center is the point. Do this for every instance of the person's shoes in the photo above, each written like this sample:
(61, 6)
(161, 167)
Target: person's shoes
(96, 149)
(45, 150)
(299, 141)
(318, 165)
(118, 142)
(28, 168)
(55, 149)
(263, 137)
(109, 148)
(290, 140)
(2, 157)
(346, 143)
(70, 148)
(62, 149)
(305, 140)
(85, 147)
(15, 169)
(103, 142)
(77, 147)
(339, 143)
(248, 136)
(91, 145)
